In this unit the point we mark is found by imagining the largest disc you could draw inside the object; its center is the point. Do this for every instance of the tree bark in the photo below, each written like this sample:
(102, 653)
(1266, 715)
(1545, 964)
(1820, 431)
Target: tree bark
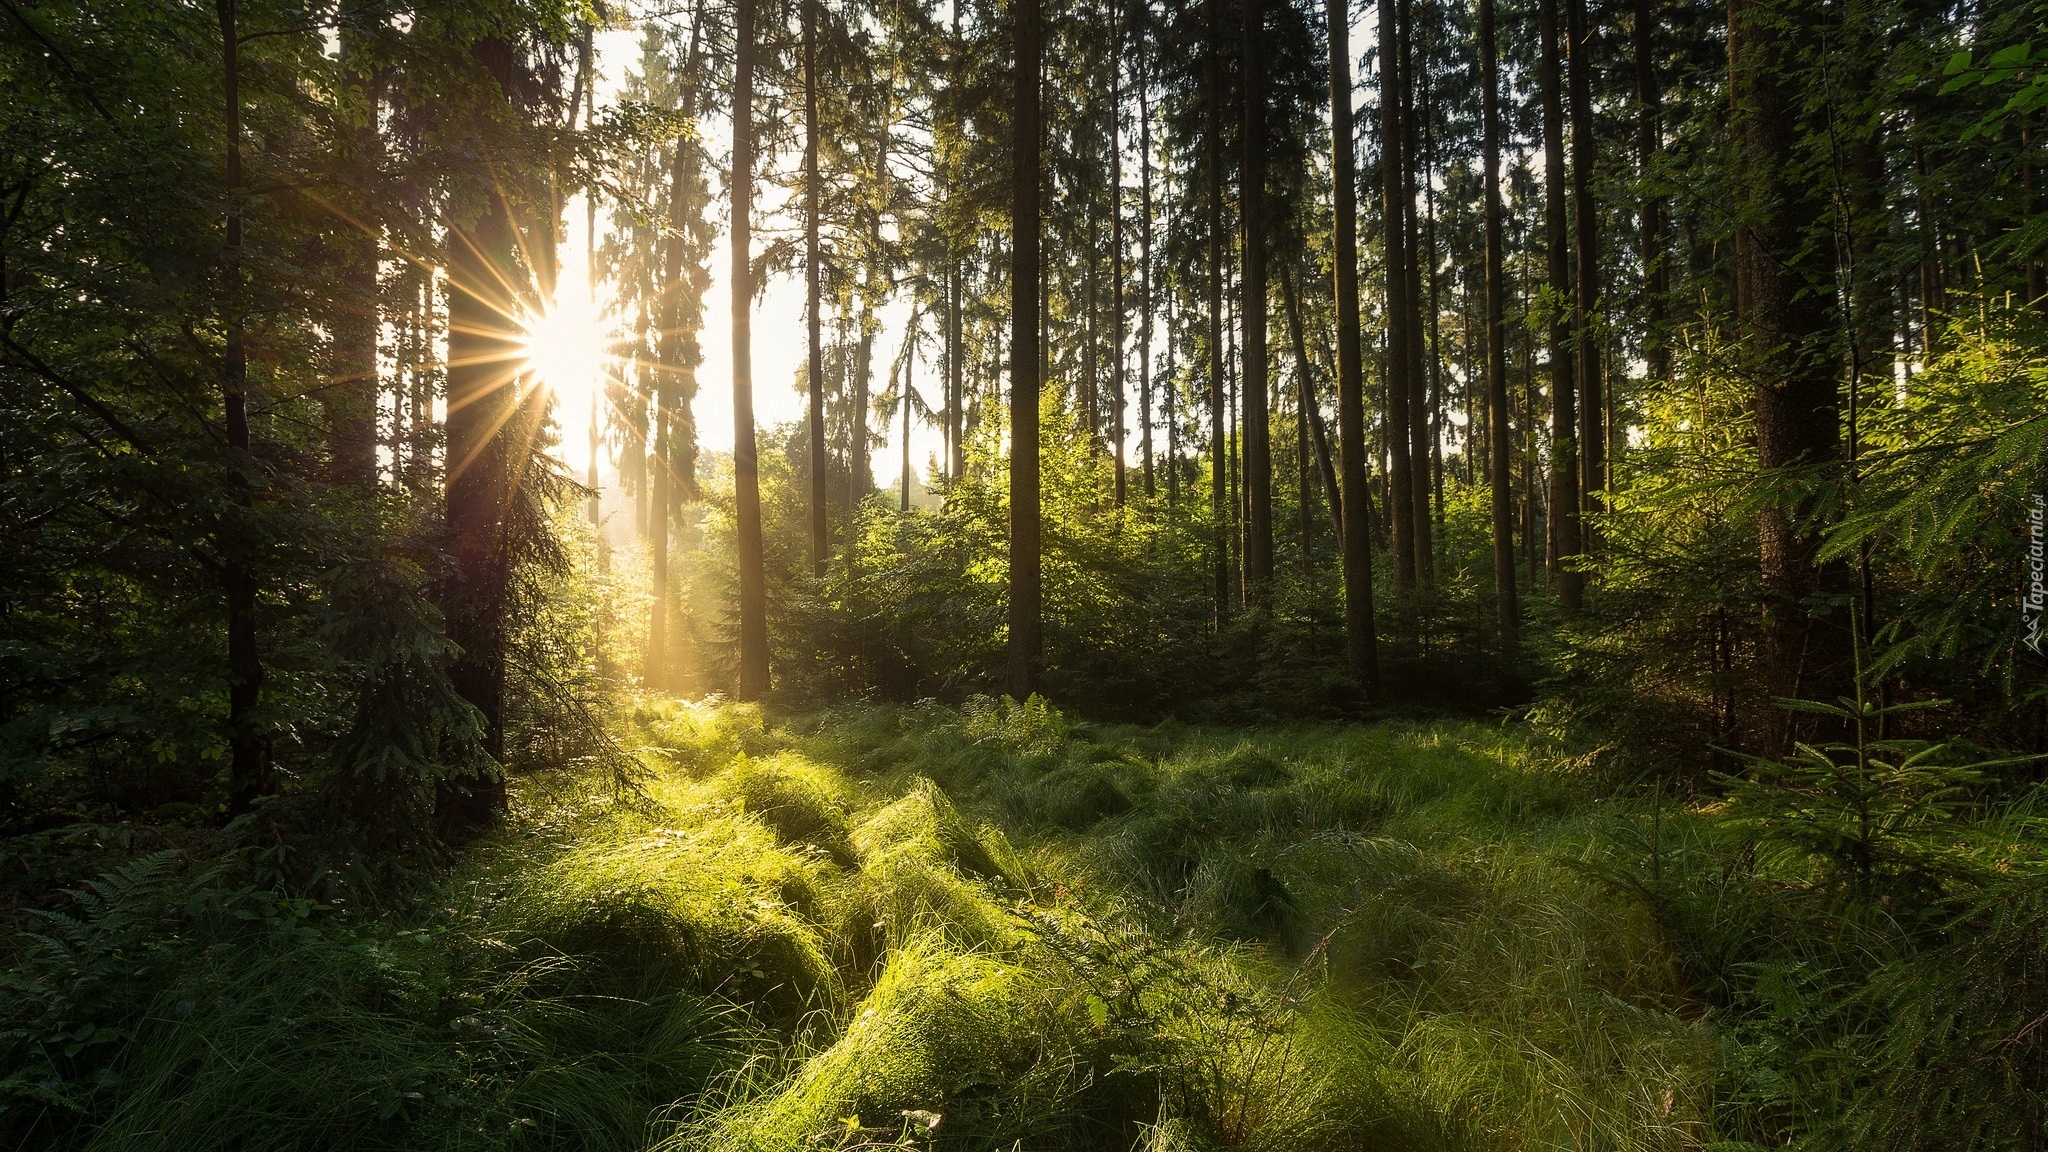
(1258, 442)
(672, 474)
(1316, 435)
(1361, 644)
(821, 542)
(1649, 134)
(1024, 365)
(746, 467)
(1145, 260)
(909, 364)
(1411, 325)
(1116, 262)
(1220, 451)
(1170, 400)
(351, 403)
(1500, 449)
(248, 752)
(1586, 280)
(1564, 458)
(1393, 239)
(1786, 348)
(658, 514)
(2037, 273)
(483, 396)
(1436, 343)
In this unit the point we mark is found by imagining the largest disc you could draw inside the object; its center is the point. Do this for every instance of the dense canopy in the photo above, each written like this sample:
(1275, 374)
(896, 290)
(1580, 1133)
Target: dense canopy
(1129, 574)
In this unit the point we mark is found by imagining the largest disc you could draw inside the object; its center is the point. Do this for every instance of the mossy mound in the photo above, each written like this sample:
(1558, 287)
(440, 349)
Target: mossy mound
(803, 802)
(721, 908)
(960, 1050)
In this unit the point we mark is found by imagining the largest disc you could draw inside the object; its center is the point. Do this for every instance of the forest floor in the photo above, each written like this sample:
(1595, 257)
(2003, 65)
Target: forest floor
(983, 928)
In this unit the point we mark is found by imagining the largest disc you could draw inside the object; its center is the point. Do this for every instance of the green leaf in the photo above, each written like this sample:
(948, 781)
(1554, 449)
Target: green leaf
(2010, 56)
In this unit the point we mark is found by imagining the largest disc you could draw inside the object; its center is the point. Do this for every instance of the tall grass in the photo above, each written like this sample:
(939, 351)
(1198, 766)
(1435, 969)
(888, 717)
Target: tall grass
(990, 928)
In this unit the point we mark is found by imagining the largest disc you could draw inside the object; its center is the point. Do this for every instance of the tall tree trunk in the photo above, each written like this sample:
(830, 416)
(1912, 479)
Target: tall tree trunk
(1393, 239)
(1786, 348)
(633, 466)
(1171, 396)
(1532, 495)
(1316, 438)
(746, 466)
(909, 364)
(661, 496)
(1024, 365)
(1116, 256)
(351, 402)
(821, 541)
(1258, 432)
(592, 507)
(672, 473)
(1564, 413)
(2037, 272)
(1411, 324)
(483, 386)
(248, 753)
(1436, 341)
(1219, 446)
(1091, 389)
(1586, 280)
(1649, 141)
(1500, 449)
(1361, 644)
(1233, 431)
(956, 391)
(1145, 257)
(860, 471)
(1304, 498)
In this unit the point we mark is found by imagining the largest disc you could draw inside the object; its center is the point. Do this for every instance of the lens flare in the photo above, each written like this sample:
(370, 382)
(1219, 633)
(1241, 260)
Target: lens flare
(568, 348)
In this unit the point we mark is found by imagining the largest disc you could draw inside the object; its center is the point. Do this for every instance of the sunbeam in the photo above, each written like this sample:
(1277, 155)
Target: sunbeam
(569, 348)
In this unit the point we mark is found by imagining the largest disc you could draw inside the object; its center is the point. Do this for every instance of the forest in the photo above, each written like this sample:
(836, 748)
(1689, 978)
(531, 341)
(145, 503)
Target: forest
(1018, 575)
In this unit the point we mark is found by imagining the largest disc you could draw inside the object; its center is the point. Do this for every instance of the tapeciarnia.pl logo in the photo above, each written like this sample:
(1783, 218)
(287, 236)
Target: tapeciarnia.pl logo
(2036, 598)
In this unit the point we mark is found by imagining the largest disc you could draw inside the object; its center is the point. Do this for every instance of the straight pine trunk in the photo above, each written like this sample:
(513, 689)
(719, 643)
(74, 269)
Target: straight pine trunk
(1500, 445)
(1586, 281)
(671, 478)
(1144, 261)
(248, 752)
(1315, 446)
(1257, 426)
(1393, 240)
(351, 402)
(746, 466)
(1787, 349)
(483, 387)
(1219, 445)
(1564, 457)
(1411, 323)
(1024, 348)
(1116, 267)
(659, 514)
(821, 542)
(1361, 644)
(1649, 130)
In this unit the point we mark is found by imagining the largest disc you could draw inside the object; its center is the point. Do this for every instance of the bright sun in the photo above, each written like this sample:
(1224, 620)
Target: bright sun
(568, 348)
